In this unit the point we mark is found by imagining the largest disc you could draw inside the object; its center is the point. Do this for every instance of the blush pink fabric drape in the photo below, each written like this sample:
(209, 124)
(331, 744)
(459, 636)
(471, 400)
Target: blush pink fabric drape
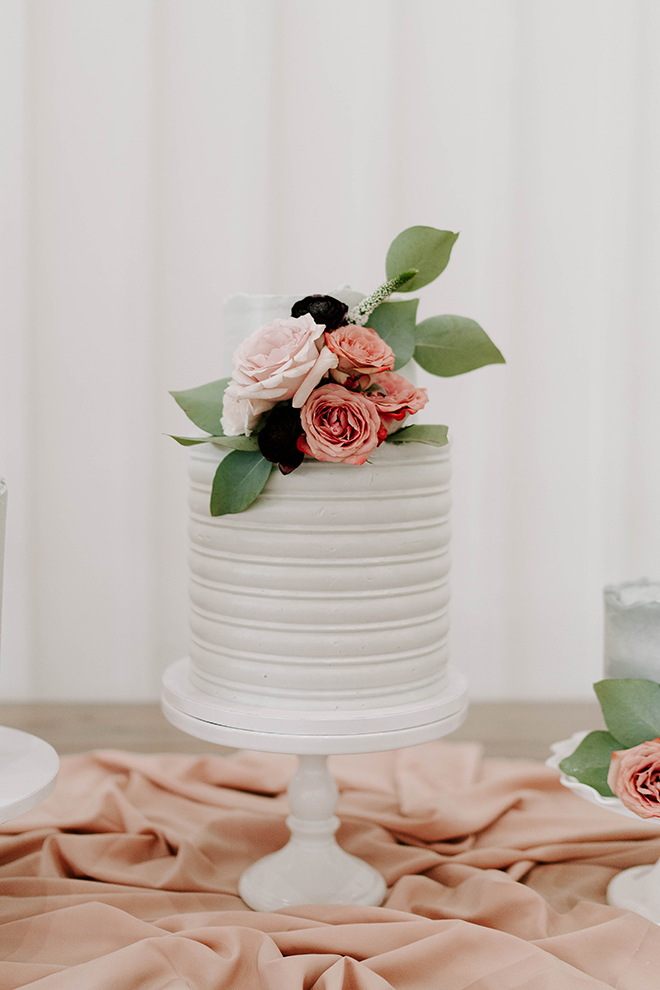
(126, 879)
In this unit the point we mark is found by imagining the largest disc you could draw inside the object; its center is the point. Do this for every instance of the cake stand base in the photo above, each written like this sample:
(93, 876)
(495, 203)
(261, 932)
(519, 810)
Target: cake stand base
(28, 771)
(311, 868)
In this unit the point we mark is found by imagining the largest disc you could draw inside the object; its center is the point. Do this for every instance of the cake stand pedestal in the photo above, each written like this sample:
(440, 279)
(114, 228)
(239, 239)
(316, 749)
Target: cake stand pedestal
(311, 868)
(638, 888)
(28, 771)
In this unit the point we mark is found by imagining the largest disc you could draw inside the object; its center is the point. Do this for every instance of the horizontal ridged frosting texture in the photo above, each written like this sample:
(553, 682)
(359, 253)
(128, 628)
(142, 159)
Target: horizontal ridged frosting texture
(330, 591)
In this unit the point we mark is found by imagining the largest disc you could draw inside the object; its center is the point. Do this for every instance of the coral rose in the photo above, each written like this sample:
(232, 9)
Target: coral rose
(634, 776)
(273, 363)
(340, 426)
(395, 398)
(360, 350)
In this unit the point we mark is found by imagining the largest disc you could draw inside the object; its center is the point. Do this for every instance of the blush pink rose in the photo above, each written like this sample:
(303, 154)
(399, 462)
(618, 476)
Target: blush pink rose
(395, 398)
(360, 351)
(634, 776)
(273, 363)
(340, 426)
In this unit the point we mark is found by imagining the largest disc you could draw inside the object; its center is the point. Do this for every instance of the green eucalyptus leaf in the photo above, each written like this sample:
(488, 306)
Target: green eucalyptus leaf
(203, 405)
(421, 433)
(241, 475)
(424, 248)
(631, 709)
(452, 345)
(395, 323)
(237, 443)
(590, 762)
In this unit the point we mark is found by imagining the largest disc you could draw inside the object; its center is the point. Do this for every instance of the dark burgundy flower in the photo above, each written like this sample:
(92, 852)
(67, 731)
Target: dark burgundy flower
(279, 436)
(327, 310)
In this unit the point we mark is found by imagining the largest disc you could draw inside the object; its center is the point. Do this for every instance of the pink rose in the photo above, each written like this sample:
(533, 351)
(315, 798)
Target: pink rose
(634, 776)
(396, 398)
(274, 362)
(340, 426)
(360, 350)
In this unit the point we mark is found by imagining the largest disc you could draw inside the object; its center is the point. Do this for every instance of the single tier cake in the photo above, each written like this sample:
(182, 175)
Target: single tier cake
(330, 591)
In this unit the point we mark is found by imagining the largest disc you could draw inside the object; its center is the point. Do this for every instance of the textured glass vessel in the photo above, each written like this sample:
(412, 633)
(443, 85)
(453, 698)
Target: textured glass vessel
(632, 629)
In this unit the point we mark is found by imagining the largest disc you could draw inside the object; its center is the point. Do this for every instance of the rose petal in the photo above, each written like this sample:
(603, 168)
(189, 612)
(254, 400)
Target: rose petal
(240, 416)
(325, 361)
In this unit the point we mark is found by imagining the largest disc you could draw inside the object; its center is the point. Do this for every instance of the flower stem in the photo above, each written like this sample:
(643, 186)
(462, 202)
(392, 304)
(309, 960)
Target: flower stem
(360, 314)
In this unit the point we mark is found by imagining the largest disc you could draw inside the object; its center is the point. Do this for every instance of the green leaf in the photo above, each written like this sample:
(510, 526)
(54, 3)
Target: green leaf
(590, 762)
(203, 405)
(452, 345)
(395, 323)
(240, 442)
(421, 433)
(423, 248)
(631, 709)
(241, 475)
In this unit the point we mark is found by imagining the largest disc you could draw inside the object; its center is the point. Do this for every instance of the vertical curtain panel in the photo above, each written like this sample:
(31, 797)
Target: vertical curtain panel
(161, 154)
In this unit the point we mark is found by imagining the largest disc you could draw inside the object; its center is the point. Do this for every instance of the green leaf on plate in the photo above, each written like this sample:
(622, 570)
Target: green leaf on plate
(631, 709)
(241, 475)
(452, 345)
(238, 443)
(421, 433)
(591, 761)
(424, 248)
(395, 323)
(203, 405)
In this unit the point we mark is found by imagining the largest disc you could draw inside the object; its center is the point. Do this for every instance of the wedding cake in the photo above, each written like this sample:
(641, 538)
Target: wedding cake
(319, 592)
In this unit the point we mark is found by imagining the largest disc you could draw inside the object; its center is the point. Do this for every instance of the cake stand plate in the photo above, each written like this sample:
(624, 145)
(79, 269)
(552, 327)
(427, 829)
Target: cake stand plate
(638, 888)
(311, 868)
(28, 771)
(280, 731)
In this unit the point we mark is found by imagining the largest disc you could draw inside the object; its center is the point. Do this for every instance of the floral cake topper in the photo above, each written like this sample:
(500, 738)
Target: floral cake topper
(323, 382)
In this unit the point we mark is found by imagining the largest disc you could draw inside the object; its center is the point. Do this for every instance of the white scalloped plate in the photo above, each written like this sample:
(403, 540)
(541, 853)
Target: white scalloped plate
(564, 748)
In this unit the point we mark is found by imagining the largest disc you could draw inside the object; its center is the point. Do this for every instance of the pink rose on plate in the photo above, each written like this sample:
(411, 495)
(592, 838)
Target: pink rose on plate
(360, 351)
(634, 776)
(395, 398)
(272, 364)
(340, 426)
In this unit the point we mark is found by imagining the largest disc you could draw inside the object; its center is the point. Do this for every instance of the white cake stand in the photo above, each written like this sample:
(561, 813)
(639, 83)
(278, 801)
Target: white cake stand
(311, 868)
(638, 888)
(28, 771)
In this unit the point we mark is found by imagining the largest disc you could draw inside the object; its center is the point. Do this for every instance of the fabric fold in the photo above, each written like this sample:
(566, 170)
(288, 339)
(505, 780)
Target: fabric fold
(127, 877)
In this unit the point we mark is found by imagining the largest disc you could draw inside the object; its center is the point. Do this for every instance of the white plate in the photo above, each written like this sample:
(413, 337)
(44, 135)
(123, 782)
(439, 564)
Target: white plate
(28, 771)
(562, 749)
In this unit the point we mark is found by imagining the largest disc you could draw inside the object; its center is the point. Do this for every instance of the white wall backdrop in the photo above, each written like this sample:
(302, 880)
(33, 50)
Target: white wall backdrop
(160, 154)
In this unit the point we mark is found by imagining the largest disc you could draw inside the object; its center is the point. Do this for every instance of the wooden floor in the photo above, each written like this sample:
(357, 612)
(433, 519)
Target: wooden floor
(511, 729)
